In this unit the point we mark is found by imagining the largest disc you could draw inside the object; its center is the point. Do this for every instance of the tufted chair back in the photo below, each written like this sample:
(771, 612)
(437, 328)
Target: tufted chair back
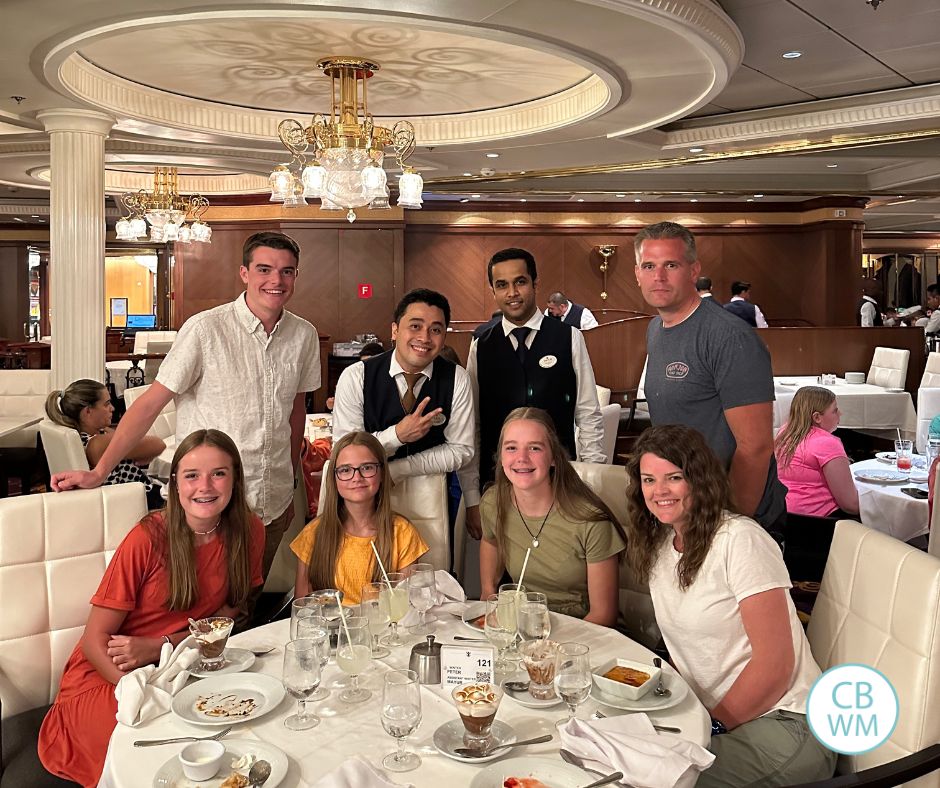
(23, 392)
(889, 367)
(142, 339)
(928, 399)
(879, 605)
(63, 447)
(603, 396)
(164, 427)
(53, 551)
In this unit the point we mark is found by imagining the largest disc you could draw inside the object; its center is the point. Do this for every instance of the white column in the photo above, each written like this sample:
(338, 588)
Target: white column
(77, 236)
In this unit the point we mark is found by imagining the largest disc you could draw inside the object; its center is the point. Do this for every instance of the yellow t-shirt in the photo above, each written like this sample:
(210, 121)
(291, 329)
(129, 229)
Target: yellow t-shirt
(356, 560)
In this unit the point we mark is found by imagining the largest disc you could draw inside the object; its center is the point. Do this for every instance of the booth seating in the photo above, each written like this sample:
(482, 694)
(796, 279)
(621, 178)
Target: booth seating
(23, 392)
(889, 367)
(928, 399)
(63, 447)
(879, 605)
(53, 551)
(163, 427)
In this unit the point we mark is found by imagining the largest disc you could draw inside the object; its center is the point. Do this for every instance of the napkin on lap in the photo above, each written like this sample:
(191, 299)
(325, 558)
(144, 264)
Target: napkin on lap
(147, 692)
(449, 597)
(357, 773)
(629, 744)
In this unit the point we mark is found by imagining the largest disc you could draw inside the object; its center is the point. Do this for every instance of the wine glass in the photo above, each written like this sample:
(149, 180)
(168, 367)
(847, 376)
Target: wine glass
(421, 592)
(330, 599)
(394, 598)
(572, 676)
(353, 654)
(401, 715)
(301, 607)
(498, 629)
(315, 628)
(371, 607)
(514, 593)
(534, 621)
(301, 679)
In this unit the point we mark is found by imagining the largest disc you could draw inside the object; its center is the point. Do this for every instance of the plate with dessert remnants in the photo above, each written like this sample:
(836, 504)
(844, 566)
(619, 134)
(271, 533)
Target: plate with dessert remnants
(236, 661)
(530, 772)
(678, 689)
(240, 755)
(224, 700)
(473, 615)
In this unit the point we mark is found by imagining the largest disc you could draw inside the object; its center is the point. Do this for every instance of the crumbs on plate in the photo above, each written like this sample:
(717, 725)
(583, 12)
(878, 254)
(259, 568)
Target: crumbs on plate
(220, 706)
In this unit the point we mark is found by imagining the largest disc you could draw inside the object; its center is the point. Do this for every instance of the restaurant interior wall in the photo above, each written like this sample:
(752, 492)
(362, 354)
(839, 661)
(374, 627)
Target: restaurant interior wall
(127, 277)
(14, 290)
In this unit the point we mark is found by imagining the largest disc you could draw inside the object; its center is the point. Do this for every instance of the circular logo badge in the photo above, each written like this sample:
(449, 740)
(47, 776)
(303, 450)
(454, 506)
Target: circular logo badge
(852, 709)
(547, 362)
(438, 420)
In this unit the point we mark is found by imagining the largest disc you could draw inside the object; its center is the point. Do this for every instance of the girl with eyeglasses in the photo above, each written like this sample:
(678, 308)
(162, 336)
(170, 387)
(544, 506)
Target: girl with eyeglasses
(334, 550)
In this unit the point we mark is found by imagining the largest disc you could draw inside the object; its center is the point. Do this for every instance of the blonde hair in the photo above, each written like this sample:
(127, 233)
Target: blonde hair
(65, 407)
(806, 402)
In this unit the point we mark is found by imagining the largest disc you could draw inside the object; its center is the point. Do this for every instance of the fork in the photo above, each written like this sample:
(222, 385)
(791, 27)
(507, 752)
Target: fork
(155, 742)
(599, 715)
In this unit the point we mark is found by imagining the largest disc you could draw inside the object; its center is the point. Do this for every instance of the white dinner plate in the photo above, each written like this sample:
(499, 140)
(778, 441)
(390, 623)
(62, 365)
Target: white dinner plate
(919, 478)
(170, 775)
(245, 696)
(788, 382)
(650, 701)
(551, 771)
(889, 457)
(449, 737)
(882, 477)
(525, 699)
(236, 661)
(473, 615)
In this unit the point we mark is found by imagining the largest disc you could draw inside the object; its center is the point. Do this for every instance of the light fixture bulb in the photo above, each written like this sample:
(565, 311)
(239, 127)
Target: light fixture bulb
(410, 186)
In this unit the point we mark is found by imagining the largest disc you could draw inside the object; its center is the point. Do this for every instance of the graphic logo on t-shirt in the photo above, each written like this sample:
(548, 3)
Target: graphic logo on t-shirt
(677, 370)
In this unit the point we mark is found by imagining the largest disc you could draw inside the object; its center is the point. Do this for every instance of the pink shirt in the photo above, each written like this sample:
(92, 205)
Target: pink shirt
(807, 490)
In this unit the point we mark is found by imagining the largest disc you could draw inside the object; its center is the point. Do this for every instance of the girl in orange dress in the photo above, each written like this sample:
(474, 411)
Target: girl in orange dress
(198, 557)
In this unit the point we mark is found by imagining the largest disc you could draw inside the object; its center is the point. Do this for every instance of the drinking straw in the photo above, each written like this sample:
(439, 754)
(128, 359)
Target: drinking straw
(379, 560)
(524, 564)
(899, 433)
(342, 618)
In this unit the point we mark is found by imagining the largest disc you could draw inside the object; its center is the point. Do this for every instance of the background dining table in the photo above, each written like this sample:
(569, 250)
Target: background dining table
(884, 507)
(347, 730)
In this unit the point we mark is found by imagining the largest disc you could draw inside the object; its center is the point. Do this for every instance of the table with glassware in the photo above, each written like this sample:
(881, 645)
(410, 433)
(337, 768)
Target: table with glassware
(882, 503)
(348, 729)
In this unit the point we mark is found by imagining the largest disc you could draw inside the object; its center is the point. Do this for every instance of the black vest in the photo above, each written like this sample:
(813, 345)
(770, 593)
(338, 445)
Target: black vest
(744, 310)
(858, 313)
(381, 403)
(505, 385)
(573, 316)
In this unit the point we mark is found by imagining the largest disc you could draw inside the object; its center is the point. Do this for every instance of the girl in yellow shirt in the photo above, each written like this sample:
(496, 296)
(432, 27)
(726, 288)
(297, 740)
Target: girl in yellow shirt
(334, 550)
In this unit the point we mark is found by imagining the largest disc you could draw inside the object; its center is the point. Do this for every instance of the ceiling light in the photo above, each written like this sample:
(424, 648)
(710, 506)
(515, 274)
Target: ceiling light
(468, 175)
(696, 150)
(580, 199)
(637, 199)
(522, 200)
(475, 196)
(758, 195)
(465, 199)
(621, 195)
(832, 166)
(492, 155)
(792, 54)
(693, 200)
(750, 199)
(165, 210)
(522, 172)
(347, 149)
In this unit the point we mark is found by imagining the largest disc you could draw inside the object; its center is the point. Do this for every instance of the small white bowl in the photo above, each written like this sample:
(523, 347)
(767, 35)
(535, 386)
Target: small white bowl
(201, 760)
(855, 377)
(618, 689)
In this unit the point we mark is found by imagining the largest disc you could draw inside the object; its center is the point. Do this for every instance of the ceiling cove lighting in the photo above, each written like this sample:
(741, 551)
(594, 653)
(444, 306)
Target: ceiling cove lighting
(793, 54)
(171, 216)
(344, 165)
(696, 150)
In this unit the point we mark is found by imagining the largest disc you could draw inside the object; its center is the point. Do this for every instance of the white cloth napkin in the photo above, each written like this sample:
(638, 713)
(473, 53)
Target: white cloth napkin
(147, 692)
(449, 597)
(357, 773)
(629, 744)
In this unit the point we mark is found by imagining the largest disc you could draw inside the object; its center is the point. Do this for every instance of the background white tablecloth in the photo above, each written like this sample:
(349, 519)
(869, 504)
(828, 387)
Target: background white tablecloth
(885, 508)
(347, 730)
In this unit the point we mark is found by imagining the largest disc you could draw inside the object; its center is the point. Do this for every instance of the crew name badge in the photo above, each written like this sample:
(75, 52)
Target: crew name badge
(466, 665)
(438, 420)
(546, 362)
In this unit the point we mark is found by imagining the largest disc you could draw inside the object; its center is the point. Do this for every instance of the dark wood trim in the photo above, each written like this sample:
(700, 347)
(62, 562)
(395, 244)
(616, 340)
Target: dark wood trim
(535, 205)
(626, 230)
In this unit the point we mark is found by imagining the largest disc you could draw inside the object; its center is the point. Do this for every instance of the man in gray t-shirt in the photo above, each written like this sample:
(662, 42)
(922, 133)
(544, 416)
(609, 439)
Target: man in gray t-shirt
(709, 370)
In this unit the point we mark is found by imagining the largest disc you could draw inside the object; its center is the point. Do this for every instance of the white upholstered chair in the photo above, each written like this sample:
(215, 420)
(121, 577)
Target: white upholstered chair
(152, 365)
(610, 414)
(63, 447)
(889, 367)
(163, 427)
(603, 395)
(23, 392)
(879, 605)
(928, 399)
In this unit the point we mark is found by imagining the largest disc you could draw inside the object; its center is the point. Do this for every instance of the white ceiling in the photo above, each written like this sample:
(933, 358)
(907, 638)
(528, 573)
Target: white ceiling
(620, 90)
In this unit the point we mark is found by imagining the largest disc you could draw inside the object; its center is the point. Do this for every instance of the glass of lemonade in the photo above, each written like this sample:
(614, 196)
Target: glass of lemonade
(353, 655)
(515, 595)
(370, 606)
(394, 600)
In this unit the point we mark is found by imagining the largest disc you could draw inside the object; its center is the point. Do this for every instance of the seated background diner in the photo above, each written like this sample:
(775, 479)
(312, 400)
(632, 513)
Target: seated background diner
(85, 406)
(811, 461)
(720, 591)
(538, 501)
(198, 557)
(334, 550)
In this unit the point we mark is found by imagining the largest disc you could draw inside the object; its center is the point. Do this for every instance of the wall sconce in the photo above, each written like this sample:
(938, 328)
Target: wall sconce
(606, 251)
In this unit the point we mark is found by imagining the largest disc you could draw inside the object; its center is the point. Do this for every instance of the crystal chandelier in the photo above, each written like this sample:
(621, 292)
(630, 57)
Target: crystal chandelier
(171, 217)
(338, 159)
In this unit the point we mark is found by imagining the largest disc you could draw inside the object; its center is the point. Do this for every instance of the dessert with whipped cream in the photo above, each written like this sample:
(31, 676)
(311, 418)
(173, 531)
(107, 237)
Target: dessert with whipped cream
(477, 704)
(211, 635)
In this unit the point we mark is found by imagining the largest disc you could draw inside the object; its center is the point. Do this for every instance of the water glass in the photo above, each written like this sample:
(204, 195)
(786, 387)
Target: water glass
(331, 600)
(301, 679)
(315, 628)
(421, 592)
(394, 600)
(514, 593)
(401, 716)
(499, 626)
(301, 607)
(534, 621)
(903, 452)
(572, 676)
(371, 607)
(353, 655)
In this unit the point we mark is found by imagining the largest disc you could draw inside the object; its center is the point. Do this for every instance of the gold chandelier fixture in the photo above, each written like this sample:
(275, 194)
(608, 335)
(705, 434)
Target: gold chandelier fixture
(171, 216)
(339, 158)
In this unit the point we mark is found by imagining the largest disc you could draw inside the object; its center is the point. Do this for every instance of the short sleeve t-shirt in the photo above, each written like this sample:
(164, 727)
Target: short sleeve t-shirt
(807, 489)
(709, 363)
(356, 561)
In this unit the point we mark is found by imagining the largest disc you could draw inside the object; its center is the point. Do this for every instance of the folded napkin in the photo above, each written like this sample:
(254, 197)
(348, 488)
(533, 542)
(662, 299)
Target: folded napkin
(147, 692)
(357, 773)
(449, 597)
(629, 744)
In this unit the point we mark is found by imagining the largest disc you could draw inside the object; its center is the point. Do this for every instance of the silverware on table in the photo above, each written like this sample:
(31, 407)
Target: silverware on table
(260, 652)
(466, 752)
(475, 640)
(660, 688)
(259, 773)
(176, 740)
(516, 686)
(569, 757)
(599, 715)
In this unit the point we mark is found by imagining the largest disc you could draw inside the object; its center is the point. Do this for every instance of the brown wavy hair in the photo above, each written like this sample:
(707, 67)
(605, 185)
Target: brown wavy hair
(573, 498)
(710, 497)
(177, 542)
(321, 569)
(807, 401)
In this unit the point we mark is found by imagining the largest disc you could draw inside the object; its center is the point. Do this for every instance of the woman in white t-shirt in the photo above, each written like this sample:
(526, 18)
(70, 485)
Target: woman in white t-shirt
(720, 591)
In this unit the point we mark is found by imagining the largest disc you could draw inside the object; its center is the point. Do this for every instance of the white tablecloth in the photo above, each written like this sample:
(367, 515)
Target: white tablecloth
(885, 508)
(863, 406)
(11, 424)
(347, 730)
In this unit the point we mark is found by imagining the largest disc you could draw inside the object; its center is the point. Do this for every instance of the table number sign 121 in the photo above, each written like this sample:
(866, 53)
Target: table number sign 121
(462, 665)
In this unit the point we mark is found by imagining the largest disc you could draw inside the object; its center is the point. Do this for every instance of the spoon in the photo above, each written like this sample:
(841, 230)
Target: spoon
(660, 688)
(260, 652)
(475, 640)
(466, 752)
(516, 686)
(259, 773)
(569, 757)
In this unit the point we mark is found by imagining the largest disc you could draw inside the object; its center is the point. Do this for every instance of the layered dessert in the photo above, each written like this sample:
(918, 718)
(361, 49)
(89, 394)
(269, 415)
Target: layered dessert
(538, 658)
(211, 635)
(477, 705)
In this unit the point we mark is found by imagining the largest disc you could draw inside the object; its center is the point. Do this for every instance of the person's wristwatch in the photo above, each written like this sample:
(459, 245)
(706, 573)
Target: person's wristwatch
(718, 727)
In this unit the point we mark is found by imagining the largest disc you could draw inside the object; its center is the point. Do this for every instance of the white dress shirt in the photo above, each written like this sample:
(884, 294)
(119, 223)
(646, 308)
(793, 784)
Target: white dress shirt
(758, 315)
(868, 311)
(587, 412)
(587, 317)
(457, 449)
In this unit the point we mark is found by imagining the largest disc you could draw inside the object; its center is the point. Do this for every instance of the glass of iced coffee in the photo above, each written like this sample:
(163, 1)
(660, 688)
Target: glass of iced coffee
(477, 704)
(211, 635)
(538, 658)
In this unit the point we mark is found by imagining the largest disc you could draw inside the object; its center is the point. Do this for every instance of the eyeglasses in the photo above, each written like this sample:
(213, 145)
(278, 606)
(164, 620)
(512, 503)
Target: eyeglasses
(367, 470)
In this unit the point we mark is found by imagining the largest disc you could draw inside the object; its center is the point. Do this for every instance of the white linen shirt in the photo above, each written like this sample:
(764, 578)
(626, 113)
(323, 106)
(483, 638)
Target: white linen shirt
(228, 374)
(451, 455)
(587, 412)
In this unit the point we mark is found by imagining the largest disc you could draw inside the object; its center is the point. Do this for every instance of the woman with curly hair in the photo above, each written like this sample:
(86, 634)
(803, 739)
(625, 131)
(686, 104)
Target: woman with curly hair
(539, 503)
(720, 591)
(811, 461)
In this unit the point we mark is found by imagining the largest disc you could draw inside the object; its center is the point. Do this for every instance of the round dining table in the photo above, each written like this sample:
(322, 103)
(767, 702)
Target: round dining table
(347, 730)
(885, 507)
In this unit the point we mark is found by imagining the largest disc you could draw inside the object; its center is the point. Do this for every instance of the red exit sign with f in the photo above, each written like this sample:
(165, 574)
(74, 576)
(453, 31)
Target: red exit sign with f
(365, 290)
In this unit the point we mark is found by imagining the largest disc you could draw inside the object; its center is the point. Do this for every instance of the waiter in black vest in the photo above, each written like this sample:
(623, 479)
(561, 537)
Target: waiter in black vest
(567, 311)
(527, 360)
(417, 404)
